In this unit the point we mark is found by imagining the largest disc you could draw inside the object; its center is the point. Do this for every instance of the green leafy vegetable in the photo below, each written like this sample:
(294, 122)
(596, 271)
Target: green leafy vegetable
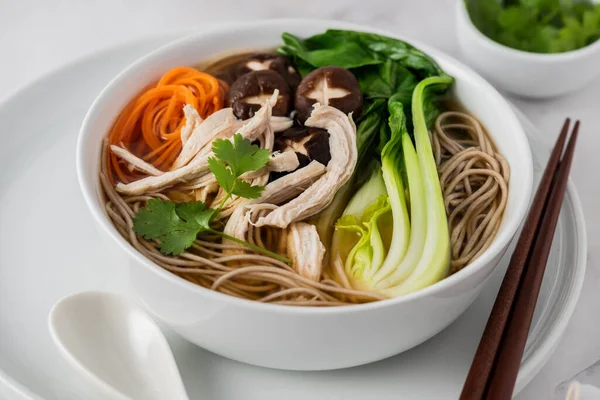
(365, 258)
(392, 166)
(434, 259)
(352, 49)
(383, 80)
(330, 48)
(485, 14)
(363, 233)
(418, 253)
(241, 156)
(400, 151)
(384, 67)
(232, 160)
(195, 212)
(223, 175)
(366, 137)
(177, 225)
(174, 225)
(539, 26)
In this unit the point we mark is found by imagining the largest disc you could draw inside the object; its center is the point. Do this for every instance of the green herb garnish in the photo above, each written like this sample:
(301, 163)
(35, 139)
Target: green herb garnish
(539, 26)
(232, 160)
(177, 225)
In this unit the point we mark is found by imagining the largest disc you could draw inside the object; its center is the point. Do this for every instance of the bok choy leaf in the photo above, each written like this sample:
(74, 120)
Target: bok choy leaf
(353, 49)
(392, 164)
(363, 233)
(397, 269)
(434, 261)
(419, 251)
(364, 261)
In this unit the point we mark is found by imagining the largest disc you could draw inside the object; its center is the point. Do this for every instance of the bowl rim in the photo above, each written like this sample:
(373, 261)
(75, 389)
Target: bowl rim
(465, 20)
(90, 189)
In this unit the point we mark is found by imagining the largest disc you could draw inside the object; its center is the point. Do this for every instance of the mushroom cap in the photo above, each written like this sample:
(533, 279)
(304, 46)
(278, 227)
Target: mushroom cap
(309, 144)
(333, 86)
(269, 61)
(249, 92)
(308, 141)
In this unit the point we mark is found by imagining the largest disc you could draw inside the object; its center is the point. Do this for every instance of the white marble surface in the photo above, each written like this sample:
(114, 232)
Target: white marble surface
(37, 36)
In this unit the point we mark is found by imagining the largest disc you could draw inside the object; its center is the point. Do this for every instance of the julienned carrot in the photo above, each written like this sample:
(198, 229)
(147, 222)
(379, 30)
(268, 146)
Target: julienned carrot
(150, 125)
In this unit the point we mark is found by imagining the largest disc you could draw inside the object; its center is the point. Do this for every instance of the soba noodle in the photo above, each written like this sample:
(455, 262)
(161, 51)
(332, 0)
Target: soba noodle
(474, 183)
(241, 274)
(474, 179)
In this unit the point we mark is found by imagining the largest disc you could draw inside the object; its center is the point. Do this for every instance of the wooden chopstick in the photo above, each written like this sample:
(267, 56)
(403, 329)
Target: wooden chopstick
(496, 362)
(481, 368)
(513, 343)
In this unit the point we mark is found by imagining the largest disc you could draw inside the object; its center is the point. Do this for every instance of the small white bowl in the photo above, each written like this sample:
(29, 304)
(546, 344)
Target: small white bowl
(523, 73)
(295, 337)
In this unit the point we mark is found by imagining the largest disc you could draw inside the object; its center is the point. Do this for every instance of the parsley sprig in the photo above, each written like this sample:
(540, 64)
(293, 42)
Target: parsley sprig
(177, 225)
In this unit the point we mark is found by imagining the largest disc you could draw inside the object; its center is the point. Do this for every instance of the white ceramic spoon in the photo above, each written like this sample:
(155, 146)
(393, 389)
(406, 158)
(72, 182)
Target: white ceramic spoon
(116, 346)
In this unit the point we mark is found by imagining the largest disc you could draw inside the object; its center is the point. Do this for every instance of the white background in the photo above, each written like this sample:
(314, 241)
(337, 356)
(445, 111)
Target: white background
(39, 36)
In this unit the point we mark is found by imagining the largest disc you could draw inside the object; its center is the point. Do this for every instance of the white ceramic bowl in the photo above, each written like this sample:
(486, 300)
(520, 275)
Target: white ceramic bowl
(295, 337)
(523, 73)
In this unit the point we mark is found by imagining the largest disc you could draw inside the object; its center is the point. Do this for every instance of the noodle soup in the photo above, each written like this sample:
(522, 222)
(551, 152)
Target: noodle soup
(304, 176)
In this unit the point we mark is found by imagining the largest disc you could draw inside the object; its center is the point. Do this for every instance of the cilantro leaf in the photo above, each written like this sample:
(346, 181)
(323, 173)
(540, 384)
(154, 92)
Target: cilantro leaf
(244, 189)
(241, 156)
(225, 152)
(195, 212)
(484, 14)
(538, 4)
(177, 241)
(516, 19)
(540, 26)
(232, 159)
(157, 219)
(223, 175)
(175, 226)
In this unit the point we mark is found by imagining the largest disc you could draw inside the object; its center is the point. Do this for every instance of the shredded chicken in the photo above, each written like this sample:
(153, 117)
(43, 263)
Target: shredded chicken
(291, 185)
(251, 130)
(203, 192)
(224, 134)
(283, 162)
(279, 162)
(134, 161)
(276, 192)
(220, 123)
(192, 120)
(280, 124)
(342, 144)
(305, 249)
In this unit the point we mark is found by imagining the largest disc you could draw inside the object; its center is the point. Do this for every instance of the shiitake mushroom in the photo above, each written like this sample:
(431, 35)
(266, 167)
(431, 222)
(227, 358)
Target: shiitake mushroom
(308, 143)
(333, 86)
(250, 91)
(269, 62)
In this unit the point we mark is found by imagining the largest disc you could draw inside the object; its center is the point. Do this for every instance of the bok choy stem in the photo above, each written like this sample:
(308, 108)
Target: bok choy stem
(434, 262)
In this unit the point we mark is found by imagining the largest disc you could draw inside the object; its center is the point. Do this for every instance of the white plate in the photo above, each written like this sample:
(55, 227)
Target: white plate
(49, 249)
